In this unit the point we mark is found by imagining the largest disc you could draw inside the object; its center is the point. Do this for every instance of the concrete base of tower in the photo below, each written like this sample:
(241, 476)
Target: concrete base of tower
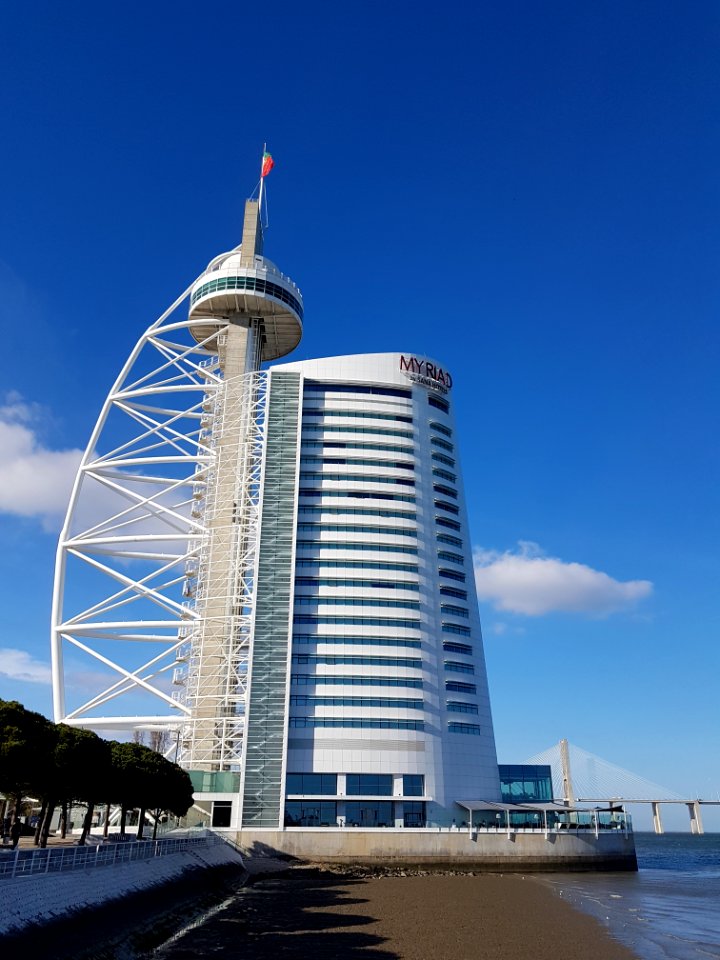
(445, 849)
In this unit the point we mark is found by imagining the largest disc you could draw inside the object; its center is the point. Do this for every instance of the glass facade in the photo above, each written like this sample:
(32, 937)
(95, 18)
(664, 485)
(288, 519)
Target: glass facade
(311, 784)
(524, 783)
(413, 785)
(369, 813)
(369, 784)
(310, 813)
(414, 814)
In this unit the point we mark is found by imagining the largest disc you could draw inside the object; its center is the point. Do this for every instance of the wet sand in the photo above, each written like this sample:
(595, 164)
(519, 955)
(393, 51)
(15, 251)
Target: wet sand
(318, 915)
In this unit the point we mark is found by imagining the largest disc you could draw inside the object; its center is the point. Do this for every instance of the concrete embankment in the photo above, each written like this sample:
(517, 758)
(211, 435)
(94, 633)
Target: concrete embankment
(448, 849)
(112, 911)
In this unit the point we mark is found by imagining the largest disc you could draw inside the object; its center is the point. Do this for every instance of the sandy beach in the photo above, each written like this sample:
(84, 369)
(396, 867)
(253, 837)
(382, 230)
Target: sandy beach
(315, 914)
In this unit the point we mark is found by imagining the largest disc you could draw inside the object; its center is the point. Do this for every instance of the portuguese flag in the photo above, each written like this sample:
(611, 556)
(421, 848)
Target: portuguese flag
(267, 164)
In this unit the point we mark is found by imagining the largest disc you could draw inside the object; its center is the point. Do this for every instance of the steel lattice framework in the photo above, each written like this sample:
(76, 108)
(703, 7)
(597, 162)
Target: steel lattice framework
(136, 607)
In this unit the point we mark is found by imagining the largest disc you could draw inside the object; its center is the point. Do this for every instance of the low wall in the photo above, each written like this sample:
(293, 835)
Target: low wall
(491, 852)
(44, 898)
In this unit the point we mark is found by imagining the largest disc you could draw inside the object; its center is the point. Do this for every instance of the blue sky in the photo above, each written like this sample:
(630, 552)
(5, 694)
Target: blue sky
(524, 191)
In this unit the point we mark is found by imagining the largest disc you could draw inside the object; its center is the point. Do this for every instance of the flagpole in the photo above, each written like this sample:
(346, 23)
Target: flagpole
(262, 181)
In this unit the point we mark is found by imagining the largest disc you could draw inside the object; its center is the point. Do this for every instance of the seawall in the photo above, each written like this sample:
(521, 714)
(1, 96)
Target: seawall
(456, 850)
(40, 902)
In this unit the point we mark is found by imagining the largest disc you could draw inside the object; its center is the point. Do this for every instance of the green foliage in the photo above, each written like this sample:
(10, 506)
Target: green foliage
(26, 740)
(61, 763)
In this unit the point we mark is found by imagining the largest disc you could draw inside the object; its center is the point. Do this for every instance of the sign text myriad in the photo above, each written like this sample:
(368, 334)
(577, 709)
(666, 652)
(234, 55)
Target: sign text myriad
(426, 373)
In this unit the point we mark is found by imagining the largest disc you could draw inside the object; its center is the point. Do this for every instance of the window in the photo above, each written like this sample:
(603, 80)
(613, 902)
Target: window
(358, 512)
(356, 494)
(361, 565)
(456, 629)
(314, 386)
(356, 641)
(445, 474)
(369, 813)
(448, 538)
(413, 784)
(221, 813)
(355, 528)
(363, 723)
(302, 600)
(457, 706)
(441, 428)
(453, 592)
(439, 404)
(308, 618)
(450, 646)
(342, 445)
(452, 557)
(310, 813)
(450, 507)
(360, 478)
(355, 414)
(451, 610)
(341, 428)
(441, 458)
(446, 491)
(375, 547)
(353, 462)
(443, 444)
(362, 584)
(454, 666)
(312, 680)
(329, 659)
(455, 686)
(471, 728)
(447, 522)
(249, 283)
(413, 814)
(525, 783)
(452, 574)
(311, 784)
(369, 785)
(396, 703)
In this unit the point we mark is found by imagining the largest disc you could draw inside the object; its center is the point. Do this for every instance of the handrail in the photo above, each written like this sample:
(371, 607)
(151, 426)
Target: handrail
(25, 863)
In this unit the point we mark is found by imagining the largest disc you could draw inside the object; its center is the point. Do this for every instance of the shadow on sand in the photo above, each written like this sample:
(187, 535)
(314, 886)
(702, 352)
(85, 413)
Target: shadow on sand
(293, 916)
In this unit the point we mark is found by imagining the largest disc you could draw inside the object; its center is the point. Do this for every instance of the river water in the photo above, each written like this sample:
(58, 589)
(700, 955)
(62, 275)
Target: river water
(670, 909)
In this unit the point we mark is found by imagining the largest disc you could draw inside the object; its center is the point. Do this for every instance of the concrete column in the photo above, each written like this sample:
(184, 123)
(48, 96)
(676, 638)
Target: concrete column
(696, 824)
(657, 819)
(568, 792)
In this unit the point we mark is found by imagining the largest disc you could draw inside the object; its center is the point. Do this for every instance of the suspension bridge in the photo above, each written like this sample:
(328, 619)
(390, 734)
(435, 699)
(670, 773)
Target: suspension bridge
(582, 777)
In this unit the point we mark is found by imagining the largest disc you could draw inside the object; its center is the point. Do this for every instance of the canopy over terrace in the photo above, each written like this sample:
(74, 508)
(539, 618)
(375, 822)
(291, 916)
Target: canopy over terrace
(535, 809)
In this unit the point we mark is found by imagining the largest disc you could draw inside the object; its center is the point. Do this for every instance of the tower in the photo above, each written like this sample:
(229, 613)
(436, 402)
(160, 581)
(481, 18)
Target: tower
(274, 565)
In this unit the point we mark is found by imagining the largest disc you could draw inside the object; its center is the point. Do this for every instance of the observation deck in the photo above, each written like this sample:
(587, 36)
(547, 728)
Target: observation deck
(243, 285)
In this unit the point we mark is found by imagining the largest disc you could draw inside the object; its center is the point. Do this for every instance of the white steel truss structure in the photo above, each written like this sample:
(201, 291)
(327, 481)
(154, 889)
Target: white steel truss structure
(136, 609)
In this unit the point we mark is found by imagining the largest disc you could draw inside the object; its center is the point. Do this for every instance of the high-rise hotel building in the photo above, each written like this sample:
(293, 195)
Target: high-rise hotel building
(288, 571)
(382, 692)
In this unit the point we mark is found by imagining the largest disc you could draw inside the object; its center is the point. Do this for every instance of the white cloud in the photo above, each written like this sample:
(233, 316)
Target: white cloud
(20, 665)
(34, 481)
(528, 582)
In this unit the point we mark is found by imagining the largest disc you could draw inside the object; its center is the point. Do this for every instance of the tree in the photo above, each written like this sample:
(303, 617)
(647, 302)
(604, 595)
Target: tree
(26, 741)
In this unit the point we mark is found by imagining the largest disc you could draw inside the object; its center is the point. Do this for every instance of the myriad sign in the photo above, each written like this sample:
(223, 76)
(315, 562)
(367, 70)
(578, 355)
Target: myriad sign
(426, 373)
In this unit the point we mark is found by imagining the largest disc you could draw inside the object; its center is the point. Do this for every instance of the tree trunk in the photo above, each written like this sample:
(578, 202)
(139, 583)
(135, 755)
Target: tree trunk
(39, 824)
(106, 825)
(51, 804)
(141, 823)
(17, 808)
(155, 825)
(87, 823)
(123, 818)
(63, 819)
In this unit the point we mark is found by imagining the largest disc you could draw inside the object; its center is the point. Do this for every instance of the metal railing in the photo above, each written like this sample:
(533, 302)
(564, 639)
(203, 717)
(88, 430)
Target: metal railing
(25, 863)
